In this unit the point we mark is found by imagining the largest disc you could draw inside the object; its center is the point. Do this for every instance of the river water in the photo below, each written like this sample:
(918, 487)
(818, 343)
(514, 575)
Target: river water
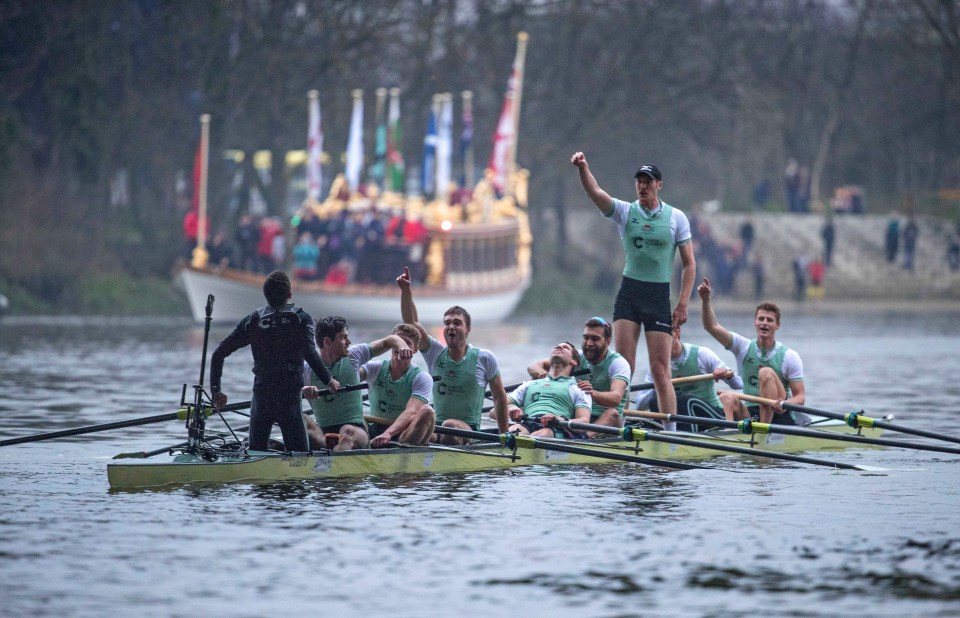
(608, 540)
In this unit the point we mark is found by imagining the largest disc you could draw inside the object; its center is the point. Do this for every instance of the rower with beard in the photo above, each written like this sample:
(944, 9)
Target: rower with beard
(464, 371)
(342, 413)
(768, 368)
(609, 377)
(536, 403)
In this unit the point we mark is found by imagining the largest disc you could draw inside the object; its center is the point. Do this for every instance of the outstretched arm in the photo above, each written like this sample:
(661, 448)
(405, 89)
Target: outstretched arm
(600, 198)
(390, 342)
(408, 310)
(710, 322)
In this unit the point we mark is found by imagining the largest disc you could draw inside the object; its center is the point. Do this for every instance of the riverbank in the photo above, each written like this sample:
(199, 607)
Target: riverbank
(859, 280)
(102, 295)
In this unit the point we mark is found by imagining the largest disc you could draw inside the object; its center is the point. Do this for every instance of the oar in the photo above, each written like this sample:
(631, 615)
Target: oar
(640, 435)
(645, 386)
(513, 441)
(147, 420)
(854, 419)
(94, 428)
(749, 426)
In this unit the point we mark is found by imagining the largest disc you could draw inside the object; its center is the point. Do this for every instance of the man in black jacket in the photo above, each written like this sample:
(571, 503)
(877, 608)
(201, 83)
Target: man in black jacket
(281, 336)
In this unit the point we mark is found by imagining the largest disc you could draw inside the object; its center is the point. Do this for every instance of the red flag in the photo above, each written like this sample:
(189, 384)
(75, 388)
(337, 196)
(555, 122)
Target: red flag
(503, 138)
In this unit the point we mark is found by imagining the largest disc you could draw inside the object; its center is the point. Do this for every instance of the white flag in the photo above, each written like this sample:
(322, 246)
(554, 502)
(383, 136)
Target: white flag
(314, 148)
(444, 146)
(355, 143)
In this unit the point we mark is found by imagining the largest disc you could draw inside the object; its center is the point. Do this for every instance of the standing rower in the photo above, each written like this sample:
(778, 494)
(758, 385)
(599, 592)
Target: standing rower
(652, 231)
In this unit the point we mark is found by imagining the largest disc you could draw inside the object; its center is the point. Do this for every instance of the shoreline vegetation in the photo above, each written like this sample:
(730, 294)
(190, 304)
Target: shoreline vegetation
(579, 281)
(120, 295)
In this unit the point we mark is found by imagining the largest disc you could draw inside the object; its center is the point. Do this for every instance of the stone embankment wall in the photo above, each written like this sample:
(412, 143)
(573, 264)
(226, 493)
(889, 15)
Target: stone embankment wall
(859, 274)
(859, 270)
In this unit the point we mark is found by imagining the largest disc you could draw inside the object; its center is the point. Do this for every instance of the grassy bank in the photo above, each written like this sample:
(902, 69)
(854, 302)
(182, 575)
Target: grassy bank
(102, 295)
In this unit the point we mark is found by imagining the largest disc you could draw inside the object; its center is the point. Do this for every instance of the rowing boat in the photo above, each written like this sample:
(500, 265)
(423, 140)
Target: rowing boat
(266, 467)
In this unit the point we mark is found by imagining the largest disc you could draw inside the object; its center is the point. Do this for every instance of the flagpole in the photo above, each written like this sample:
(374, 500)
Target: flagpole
(200, 254)
(518, 63)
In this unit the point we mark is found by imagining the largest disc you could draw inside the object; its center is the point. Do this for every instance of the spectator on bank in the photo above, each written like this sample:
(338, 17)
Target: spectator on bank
(892, 240)
(910, 233)
(306, 254)
(799, 277)
(791, 184)
(270, 229)
(816, 269)
(803, 192)
(953, 249)
(340, 273)
(828, 233)
(415, 237)
(220, 253)
(746, 239)
(247, 236)
(759, 276)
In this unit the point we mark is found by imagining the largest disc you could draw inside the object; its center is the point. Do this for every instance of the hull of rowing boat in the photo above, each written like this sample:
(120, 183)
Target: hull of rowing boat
(237, 293)
(274, 467)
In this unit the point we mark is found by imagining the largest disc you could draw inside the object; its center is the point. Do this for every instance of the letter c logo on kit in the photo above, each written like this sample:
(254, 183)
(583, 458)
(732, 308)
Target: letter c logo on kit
(638, 242)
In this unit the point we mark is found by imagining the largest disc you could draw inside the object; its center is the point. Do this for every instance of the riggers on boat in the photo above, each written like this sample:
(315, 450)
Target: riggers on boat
(215, 466)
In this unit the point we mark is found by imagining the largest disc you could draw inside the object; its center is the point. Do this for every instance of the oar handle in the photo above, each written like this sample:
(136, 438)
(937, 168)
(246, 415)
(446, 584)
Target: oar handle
(703, 377)
(660, 416)
(379, 420)
(243, 405)
(89, 429)
(755, 399)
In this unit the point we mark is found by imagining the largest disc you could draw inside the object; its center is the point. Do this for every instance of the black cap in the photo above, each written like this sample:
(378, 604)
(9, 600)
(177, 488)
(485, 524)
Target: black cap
(649, 170)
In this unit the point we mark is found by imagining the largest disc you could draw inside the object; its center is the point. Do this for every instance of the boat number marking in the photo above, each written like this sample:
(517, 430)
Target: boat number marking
(427, 460)
(775, 438)
(323, 464)
(298, 462)
(555, 455)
